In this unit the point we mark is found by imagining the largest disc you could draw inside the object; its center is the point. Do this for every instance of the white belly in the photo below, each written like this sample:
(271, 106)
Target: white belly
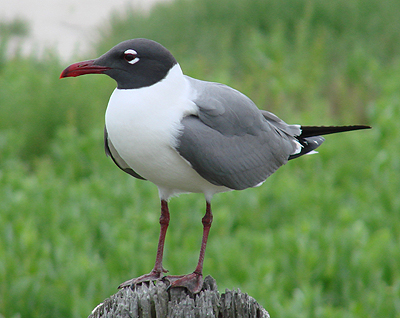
(143, 125)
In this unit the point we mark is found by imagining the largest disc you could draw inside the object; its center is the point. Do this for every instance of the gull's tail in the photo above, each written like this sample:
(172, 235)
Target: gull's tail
(310, 137)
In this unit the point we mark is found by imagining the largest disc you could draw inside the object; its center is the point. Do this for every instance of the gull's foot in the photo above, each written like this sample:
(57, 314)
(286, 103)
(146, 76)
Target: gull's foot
(152, 276)
(193, 282)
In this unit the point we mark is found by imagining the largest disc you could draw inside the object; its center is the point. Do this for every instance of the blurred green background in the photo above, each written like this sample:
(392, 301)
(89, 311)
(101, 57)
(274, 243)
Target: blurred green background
(319, 239)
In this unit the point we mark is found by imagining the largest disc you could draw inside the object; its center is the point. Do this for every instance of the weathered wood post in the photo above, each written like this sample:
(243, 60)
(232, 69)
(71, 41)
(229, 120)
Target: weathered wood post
(157, 301)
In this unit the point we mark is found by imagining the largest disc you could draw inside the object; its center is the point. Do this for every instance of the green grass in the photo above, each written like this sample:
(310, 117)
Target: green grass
(319, 239)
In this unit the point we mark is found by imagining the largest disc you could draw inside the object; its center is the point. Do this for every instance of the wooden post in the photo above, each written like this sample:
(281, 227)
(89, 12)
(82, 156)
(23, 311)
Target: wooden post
(156, 301)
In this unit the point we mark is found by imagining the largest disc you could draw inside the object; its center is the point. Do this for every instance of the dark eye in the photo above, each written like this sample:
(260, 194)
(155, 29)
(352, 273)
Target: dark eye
(131, 56)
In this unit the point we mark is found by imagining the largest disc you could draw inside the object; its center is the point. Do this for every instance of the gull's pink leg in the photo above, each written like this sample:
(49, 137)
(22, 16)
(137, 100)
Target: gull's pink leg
(158, 269)
(194, 281)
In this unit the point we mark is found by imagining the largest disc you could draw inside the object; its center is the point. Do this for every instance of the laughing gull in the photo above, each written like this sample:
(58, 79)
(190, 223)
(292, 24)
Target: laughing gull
(187, 135)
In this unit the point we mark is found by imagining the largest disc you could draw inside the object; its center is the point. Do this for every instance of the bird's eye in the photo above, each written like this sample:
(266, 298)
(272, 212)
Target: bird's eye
(131, 56)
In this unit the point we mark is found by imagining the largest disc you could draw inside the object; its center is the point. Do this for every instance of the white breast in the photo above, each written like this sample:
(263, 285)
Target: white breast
(143, 125)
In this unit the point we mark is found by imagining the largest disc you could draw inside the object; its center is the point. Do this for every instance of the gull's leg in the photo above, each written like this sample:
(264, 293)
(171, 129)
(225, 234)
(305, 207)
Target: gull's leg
(158, 269)
(194, 281)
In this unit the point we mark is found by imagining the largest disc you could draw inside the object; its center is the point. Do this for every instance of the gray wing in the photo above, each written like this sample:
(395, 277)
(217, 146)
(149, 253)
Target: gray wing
(231, 142)
(112, 152)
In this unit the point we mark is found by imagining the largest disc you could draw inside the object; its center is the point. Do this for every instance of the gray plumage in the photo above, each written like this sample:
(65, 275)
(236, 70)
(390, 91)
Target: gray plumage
(231, 142)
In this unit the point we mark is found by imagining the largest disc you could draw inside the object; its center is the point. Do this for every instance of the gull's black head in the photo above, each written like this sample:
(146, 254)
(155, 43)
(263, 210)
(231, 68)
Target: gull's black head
(132, 64)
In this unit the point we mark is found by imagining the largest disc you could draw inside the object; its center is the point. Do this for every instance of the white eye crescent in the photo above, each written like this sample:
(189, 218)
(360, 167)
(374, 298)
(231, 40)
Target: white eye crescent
(131, 56)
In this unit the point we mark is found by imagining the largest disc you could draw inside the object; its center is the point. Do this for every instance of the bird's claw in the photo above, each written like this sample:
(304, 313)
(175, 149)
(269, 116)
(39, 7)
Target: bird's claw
(152, 276)
(193, 282)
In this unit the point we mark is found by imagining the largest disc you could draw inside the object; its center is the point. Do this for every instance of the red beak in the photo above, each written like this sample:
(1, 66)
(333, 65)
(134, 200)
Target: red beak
(82, 68)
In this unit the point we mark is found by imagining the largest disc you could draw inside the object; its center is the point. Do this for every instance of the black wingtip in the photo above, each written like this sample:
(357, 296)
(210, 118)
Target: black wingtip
(308, 144)
(310, 131)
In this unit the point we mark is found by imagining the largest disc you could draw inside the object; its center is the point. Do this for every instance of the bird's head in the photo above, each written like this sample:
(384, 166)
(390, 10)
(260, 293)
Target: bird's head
(132, 64)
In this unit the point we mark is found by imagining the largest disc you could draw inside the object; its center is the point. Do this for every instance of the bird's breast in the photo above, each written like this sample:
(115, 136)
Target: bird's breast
(144, 124)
